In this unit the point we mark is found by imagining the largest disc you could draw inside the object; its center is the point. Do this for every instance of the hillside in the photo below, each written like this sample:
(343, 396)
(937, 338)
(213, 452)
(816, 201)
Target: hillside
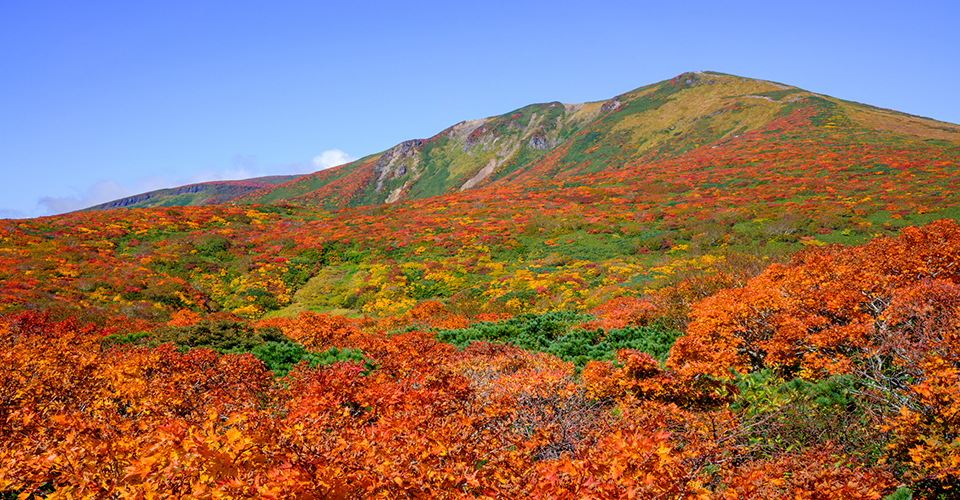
(710, 287)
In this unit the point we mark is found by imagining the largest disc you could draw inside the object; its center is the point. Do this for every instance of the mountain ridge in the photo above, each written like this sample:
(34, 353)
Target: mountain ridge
(652, 123)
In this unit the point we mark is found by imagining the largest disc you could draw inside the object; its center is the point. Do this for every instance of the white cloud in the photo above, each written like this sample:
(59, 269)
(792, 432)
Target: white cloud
(331, 158)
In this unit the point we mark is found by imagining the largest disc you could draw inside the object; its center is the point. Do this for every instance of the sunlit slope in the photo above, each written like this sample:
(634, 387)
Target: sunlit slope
(712, 117)
(655, 123)
(707, 114)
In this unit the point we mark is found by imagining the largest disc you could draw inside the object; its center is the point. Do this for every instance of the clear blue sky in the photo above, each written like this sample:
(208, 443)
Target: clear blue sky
(103, 99)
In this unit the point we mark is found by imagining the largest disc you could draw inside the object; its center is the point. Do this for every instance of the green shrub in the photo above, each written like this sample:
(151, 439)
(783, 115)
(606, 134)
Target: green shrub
(902, 493)
(222, 336)
(281, 357)
(554, 333)
(798, 414)
(278, 353)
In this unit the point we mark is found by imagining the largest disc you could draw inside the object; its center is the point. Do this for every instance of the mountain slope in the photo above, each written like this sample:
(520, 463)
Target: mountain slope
(548, 141)
(656, 123)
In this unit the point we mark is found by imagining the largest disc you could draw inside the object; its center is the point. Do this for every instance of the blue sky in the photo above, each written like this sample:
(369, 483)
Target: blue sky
(104, 99)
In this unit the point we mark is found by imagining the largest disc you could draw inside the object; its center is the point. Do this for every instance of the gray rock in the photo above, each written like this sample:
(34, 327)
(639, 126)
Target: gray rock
(610, 105)
(537, 142)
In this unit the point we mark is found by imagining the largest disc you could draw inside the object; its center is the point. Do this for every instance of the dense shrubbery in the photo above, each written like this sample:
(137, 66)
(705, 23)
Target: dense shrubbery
(281, 357)
(268, 344)
(557, 333)
(831, 376)
(222, 336)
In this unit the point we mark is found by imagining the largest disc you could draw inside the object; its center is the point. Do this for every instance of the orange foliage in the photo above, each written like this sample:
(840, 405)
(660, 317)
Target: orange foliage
(820, 313)
(88, 421)
(316, 331)
(816, 474)
(621, 312)
(626, 463)
(421, 419)
(183, 317)
(425, 314)
(637, 375)
(887, 312)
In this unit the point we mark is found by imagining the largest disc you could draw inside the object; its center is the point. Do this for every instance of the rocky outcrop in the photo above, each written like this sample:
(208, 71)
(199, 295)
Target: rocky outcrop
(405, 149)
(538, 142)
(124, 202)
(610, 105)
(476, 135)
(140, 198)
(392, 163)
(482, 174)
(195, 188)
(215, 192)
(462, 130)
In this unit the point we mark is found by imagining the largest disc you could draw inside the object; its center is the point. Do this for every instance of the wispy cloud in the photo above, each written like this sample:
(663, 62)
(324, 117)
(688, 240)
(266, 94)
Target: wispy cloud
(9, 213)
(102, 191)
(244, 167)
(331, 158)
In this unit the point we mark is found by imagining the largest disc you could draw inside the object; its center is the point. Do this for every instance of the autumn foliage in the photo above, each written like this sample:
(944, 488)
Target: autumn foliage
(82, 417)
(771, 315)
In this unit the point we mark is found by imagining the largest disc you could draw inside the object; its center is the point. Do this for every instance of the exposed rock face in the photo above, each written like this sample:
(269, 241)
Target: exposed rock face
(140, 198)
(462, 130)
(218, 190)
(476, 134)
(125, 202)
(403, 150)
(396, 193)
(391, 163)
(480, 175)
(537, 142)
(610, 105)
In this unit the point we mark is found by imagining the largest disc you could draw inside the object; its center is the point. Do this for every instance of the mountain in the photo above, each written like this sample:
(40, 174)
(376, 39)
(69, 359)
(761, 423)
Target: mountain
(648, 188)
(704, 111)
(652, 124)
